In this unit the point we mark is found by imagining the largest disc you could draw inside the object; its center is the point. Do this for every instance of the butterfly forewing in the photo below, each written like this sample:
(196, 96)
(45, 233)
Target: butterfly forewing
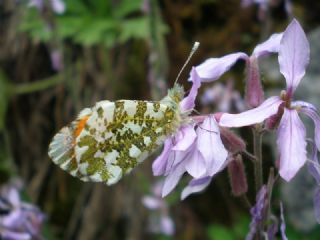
(119, 135)
(112, 138)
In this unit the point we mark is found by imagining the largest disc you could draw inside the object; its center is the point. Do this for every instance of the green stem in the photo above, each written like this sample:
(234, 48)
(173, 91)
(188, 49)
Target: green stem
(257, 148)
(258, 170)
(36, 85)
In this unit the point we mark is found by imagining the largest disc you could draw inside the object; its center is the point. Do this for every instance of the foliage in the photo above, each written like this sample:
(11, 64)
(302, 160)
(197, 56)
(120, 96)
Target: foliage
(91, 23)
(237, 231)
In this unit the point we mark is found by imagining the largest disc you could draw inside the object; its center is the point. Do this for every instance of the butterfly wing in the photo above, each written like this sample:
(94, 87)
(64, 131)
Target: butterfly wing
(61, 148)
(119, 135)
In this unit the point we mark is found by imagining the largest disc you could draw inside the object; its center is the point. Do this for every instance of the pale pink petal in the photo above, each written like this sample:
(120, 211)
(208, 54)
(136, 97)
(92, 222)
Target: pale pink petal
(12, 219)
(159, 165)
(173, 178)
(167, 225)
(213, 68)
(151, 202)
(188, 102)
(271, 45)
(294, 55)
(157, 188)
(177, 157)
(311, 111)
(58, 6)
(283, 224)
(13, 196)
(291, 144)
(195, 185)
(196, 165)
(36, 3)
(313, 165)
(184, 138)
(256, 115)
(12, 235)
(210, 145)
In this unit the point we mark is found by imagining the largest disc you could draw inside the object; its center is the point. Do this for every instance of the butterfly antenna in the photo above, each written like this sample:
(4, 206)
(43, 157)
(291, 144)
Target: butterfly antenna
(193, 50)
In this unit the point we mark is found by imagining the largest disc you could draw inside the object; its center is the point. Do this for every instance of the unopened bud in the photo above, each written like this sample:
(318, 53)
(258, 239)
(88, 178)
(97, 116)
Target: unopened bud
(237, 176)
(273, 121)
(232, 142)
(254, 93)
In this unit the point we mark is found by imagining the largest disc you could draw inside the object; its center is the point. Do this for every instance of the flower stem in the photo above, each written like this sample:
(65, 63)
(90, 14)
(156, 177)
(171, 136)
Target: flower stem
(257, 149)
(31, 87)
(258, 170)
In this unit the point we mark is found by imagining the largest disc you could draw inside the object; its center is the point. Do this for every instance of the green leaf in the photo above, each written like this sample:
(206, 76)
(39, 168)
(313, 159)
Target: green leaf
(35, 27)
(241, 227)
(69, 26)
(4, 98)
(137, 28)
(76, 7)
(126, 7)
(97, 31)
(217, 232)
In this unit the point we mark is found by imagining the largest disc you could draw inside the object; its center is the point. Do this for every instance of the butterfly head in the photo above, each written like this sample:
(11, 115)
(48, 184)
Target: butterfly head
(176, 93)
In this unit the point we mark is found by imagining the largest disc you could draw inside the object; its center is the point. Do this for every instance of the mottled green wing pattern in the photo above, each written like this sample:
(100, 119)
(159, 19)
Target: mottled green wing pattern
(109, 140)
(119, 135)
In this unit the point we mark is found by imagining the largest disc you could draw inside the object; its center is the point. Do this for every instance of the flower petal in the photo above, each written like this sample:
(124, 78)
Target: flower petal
(159, 165)
(256, 115)
(311, 111)
(294, 55)
(210, 145)
(283, 224)
(195, 185)
(58, 6)
(271, 45)
(213, 68)
(188, 102)
(184, 138)
(257, 211)
(151, 202)
(313, 165)
(173, 178)
(291, 143)
(175, 158)
(9, 234)
(167, 225)
(196, 165)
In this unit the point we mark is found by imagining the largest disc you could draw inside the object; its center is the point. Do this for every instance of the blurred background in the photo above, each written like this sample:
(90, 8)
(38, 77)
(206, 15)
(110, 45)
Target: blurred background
(59, 56)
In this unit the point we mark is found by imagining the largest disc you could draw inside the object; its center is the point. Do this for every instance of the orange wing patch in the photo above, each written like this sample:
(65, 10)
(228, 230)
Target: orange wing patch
(80, 125)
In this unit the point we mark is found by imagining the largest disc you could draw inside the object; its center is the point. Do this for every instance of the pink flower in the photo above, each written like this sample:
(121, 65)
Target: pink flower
(58, 6)
(224, 97)
(291, 134)
(196, 148)
(162, 222)
(214, 68)
(20, 220)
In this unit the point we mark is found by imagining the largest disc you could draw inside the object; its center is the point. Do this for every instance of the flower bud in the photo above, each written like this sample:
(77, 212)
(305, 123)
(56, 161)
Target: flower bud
(232, 142)
(254, 93)
(237, 176)
(273, 121)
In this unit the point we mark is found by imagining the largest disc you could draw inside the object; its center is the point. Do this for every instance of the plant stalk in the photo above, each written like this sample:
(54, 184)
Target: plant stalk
(257, 151)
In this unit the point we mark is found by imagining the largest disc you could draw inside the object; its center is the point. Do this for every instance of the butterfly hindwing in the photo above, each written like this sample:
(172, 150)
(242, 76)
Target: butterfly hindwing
(110, 139)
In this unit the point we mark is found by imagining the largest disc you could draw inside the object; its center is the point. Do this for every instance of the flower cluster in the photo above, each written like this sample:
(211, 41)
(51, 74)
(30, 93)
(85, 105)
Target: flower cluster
(160, 222)
(18, 220)
(58, 6)
(197, 147)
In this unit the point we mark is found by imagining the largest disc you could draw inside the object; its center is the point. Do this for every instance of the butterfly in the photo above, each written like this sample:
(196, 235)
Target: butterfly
(110, 139)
